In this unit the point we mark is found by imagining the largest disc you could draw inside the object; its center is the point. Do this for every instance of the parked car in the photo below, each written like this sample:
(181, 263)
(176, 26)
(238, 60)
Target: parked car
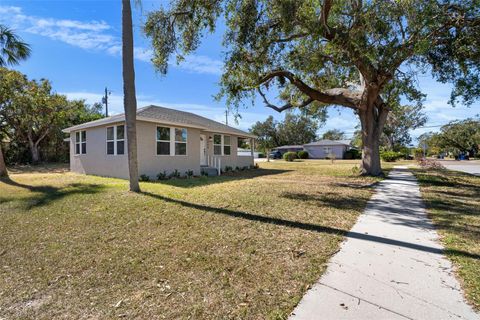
(275, 155)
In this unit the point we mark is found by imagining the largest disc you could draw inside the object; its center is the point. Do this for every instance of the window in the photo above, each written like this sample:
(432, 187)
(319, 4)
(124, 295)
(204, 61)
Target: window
(163, 141)
(327, 150)
(116, 140)
(222, 145)
(180, 142)
(217, 144)
(81, 142)
(226, 145)
(168, 138)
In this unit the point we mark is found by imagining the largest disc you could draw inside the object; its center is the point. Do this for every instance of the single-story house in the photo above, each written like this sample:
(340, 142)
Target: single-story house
(326, 148)
(167, 140)
(320, 149)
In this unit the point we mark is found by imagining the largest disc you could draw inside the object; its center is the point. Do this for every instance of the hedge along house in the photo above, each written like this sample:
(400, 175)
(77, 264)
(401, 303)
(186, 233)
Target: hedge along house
(167, 140)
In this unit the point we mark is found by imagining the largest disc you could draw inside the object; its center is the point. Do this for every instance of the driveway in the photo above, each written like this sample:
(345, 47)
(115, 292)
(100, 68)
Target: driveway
(470, 166)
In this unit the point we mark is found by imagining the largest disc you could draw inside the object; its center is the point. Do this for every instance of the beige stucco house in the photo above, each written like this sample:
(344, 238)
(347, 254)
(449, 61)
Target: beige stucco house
(167, 140)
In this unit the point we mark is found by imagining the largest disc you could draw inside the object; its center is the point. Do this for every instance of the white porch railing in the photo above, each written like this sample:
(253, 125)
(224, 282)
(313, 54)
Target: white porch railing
(215, 162)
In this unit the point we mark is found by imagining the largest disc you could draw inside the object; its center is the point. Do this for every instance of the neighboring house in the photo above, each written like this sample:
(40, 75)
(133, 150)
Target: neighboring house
(325, 148)
(167, 140)
(284, 149)
(320, 149)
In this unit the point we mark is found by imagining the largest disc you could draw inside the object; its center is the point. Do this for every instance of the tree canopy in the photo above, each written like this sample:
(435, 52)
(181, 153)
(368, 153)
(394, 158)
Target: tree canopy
(362, 55)
(455, 137)
(401, 120)
(32, 115)
(334, 134)
(295, 129)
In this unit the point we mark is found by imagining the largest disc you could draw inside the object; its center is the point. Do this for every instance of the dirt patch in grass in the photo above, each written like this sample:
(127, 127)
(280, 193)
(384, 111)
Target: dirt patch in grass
(453, 203)
(246, 245)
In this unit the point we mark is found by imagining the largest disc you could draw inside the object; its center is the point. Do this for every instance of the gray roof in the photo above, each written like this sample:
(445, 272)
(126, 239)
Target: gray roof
(329, 143)
(170, 117)
(290, 147)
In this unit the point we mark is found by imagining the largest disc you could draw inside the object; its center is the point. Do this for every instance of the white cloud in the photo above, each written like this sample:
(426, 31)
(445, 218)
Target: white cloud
(10, 10)
(95, 35)
(201, 64)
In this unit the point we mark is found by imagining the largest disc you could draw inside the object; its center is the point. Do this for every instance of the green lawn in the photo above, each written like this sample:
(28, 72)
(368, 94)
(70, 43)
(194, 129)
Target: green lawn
(240, 246)
(453, 203)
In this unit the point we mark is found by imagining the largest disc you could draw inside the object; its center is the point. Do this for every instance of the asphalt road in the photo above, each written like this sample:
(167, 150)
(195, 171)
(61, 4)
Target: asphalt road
(468, 166)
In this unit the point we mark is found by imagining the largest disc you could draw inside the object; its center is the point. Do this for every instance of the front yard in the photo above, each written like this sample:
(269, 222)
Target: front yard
(242, 246)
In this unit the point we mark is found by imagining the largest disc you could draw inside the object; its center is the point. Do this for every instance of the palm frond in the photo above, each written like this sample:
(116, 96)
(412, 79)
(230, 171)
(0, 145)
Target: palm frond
(12, 47)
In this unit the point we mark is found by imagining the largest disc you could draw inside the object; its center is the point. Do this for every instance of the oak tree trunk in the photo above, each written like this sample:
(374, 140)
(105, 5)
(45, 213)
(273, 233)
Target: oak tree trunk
(129, 96)
(372, 121)
(3, 167)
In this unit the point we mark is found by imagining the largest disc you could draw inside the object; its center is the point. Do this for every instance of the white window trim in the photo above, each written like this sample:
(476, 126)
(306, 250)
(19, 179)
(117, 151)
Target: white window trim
(80, 142)
(172, 142)
(222, 144)
(175, 142)
(216, 144)
(226, 145)
(115, 140)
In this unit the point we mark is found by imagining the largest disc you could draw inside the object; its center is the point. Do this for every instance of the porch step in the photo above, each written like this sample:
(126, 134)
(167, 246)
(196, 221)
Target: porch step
(210, 171)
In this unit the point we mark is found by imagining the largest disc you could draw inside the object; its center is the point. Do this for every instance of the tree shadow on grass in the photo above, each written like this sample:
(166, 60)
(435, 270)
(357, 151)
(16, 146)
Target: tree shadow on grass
(310, 227)
(44, 195)
(226, 177)
(327, 199)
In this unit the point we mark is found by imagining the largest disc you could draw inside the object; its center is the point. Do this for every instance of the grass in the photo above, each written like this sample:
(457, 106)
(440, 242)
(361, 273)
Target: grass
(241, 246)
(453, 203)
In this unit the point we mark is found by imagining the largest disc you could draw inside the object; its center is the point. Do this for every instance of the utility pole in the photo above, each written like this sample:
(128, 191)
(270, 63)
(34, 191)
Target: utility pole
(226, 117)
(105, 100)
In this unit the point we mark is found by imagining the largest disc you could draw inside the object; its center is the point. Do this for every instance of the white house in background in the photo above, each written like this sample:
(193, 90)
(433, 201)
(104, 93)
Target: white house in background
(167, 140)
(324, 148)
(320, 149)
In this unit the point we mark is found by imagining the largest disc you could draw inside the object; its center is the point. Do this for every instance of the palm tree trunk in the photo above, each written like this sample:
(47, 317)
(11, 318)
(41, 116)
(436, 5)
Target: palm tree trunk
(129, 96)
(3, 167)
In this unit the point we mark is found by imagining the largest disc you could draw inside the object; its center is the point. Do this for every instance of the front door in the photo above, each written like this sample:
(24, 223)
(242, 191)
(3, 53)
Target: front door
(203, 150)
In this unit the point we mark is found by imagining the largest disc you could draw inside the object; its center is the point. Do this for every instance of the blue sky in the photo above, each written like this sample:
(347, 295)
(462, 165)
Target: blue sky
(76, 45)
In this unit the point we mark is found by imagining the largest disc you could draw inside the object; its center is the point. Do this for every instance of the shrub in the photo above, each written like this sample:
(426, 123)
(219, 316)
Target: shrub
(430, 164)
(237, 168)
(390, 156)
(289, 156)
(162, 175)
(302, 154)
(228, 168)
(189, 173)
(175, 174)
(144, 177)
(353, 154)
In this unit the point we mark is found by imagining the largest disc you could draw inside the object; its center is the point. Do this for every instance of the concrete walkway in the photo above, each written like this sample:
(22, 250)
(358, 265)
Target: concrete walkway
(390, 267)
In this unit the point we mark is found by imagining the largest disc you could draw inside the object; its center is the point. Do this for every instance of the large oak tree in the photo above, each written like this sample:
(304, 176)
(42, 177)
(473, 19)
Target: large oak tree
(348, 53)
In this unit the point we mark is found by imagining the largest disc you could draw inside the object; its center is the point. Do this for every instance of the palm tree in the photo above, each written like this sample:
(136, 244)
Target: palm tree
(129, 96)
(12, 50)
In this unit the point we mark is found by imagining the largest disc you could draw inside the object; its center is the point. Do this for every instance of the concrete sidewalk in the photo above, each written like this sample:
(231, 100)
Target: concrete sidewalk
(390, 267)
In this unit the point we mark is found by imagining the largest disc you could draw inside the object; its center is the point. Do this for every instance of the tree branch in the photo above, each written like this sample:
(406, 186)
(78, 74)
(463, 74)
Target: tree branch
(338, 96)
(287, 106)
